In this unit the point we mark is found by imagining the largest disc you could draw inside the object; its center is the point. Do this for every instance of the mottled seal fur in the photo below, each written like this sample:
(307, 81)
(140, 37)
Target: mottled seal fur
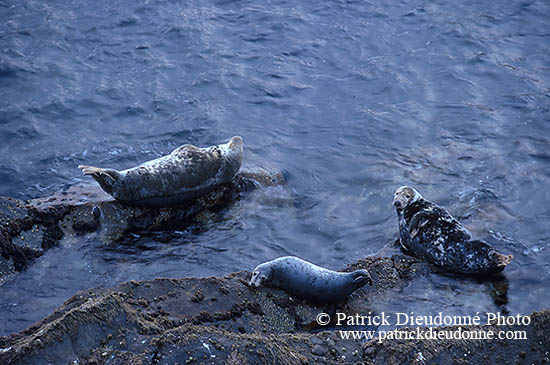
(184, 174)
(431, 233)
(308, 281)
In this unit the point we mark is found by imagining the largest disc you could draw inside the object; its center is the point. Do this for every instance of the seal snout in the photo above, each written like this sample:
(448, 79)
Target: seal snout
(396, 202)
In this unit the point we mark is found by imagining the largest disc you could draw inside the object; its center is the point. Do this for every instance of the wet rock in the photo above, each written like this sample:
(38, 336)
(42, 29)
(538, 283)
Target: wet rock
(160, 316)
(6, 268)
(451, 351)
(157, 321)
(25, 232)
(29, 228)
(318, 350)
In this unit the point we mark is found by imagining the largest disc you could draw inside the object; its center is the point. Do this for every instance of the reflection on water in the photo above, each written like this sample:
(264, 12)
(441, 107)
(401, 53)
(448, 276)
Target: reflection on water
(349, 99)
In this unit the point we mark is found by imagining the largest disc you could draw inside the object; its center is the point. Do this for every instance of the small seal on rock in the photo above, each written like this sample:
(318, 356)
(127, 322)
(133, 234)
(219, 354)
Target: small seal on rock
(184, 174)
(309, 281)
(431, 233)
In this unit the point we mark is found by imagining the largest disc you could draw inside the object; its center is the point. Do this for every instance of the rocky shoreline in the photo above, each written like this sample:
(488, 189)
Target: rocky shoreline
(222, 320)
(214, 319)
(29, 228)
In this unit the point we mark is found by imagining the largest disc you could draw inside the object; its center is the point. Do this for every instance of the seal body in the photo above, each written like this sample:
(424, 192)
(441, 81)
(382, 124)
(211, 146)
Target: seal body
(182, 175)
(308, 281)
(431, 233)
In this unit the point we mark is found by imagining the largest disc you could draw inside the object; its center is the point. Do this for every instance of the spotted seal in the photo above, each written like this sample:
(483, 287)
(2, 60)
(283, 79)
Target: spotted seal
(430, 232)
(185, 173)
(308, 281)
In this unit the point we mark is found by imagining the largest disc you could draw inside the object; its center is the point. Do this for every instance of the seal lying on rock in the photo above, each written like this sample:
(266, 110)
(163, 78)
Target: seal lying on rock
(184, 174)
(309, 281)
(431, 233)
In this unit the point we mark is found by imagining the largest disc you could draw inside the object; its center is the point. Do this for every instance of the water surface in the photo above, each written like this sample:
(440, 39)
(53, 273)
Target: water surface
(351, 99)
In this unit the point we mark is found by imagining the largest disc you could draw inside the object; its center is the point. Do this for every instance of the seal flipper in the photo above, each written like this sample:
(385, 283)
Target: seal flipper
(361, 277)
(106, 178)
(499, 259)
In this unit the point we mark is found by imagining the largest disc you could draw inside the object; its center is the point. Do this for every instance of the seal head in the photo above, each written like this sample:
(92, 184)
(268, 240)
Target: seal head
(404, 196)
(232, 154)
(261, 275)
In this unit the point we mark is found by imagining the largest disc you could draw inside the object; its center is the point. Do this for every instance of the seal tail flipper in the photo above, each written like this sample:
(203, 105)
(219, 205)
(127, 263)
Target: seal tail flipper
(500, 259)
(105, 177)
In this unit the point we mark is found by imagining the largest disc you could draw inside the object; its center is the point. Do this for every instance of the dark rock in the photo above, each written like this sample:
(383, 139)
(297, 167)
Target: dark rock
(156, 321)
(319, 350)
(150, 317)
(29, 228)
(216, 319)
(451, 351)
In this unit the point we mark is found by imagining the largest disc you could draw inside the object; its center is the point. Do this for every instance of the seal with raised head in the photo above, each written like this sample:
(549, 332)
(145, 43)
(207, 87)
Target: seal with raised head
(182, 175)
(308, 281)
(431, 233)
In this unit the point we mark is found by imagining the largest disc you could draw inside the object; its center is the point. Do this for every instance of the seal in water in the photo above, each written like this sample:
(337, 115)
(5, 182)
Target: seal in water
(431, 233)
(309, 281)
(184, 174)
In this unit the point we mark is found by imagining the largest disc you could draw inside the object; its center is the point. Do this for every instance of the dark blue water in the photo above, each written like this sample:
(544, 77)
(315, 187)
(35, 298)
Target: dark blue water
(351, 99)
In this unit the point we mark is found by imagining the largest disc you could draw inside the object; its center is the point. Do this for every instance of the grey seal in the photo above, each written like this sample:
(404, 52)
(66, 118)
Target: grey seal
(308, 281)
(431, 233)
(184, 174)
